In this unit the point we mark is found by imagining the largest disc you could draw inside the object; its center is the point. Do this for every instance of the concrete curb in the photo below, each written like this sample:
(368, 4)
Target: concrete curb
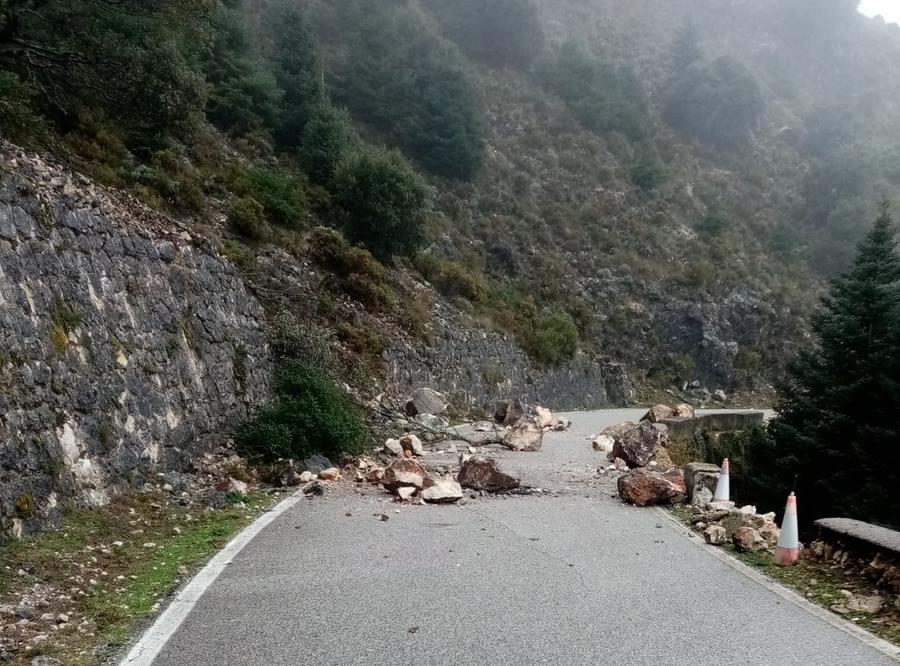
(873, 641)
(154, 639)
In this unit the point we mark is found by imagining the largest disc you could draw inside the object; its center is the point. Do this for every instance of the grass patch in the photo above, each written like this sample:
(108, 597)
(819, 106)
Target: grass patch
(106, 569)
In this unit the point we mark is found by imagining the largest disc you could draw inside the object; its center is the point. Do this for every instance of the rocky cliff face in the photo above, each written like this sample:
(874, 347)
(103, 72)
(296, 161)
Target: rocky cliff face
(126, 345)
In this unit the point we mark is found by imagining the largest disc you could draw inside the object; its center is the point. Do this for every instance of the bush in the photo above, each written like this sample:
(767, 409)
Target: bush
(383, 200)
(497, 32)
(328, 138)
(648, 174)
(246, 216)
(712, 225)
(451, 279)
(18, 120)
(278, 191)
(360, 274)
(553, 338)
(602, 97)
(310, 415)
(718, 102)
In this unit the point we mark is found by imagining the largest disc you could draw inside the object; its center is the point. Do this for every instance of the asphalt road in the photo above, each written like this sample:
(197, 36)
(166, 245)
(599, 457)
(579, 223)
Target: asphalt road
(568, 577)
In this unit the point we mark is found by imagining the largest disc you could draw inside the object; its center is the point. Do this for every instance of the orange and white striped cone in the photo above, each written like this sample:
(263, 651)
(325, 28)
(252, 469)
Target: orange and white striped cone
(723, 485)
(788, 550)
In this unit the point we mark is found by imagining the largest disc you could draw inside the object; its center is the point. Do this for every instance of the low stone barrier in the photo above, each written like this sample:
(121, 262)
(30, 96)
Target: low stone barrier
(687, 428)
(859, 548)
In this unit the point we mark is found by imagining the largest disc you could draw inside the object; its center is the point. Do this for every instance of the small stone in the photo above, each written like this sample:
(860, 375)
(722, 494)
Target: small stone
(715, 535)
(306, 477)
(330, 474)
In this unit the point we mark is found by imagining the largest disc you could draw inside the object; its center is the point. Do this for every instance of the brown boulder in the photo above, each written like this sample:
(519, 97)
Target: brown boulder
(411, 446)
(644, 487)
(747, 540)
(509, 413)
(657, 413)
(483, 474)
(527, 436)
(683, 411)
(639, 444)
(403, 473)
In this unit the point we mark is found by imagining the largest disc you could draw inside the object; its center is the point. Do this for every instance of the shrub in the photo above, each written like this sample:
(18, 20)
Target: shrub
(712, 225)
(648, 174)
(309, 415)
(497, 32)
(602, 97)
(553, 338)
(452, 279)
(328, 138)
(383, 200)
(18, 120)
(717, 102)
(278, 191)
(360, 274)
(246, 216)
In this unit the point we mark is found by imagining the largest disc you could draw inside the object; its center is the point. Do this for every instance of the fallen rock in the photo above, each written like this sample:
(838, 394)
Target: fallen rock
(638, 445)
(527, 436)
(441, 490)
(720, 396)
(620, 465)
(662, 459)
(748, 540)
(714, 534)
(483, 474)
(543, 417)
(618, 429)
(865, 603)
(330, 474)
(483, 426)
(561, 425)
(643, 487)
(426, 401)
(231, 485)
(603, 443)
(284, 473)
(510, 413)
(657, 413)
(403, 473)
(375, 476)
(769, 533)
(306, 477)
(392, 446)
(683, 411)
(405, 492)
(412, 444)
(316, 464)
(432, 422)
(314, 488)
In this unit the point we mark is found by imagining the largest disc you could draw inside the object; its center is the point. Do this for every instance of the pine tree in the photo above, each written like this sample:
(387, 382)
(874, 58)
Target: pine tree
(839, 423)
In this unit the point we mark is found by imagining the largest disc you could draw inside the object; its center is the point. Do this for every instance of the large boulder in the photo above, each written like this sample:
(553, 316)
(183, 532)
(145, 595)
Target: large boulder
(404, 473)
(637, 445)
(644, 487)
(683, 411)
(657, 413)
(441, 490)
(316, 464)
(426, 401)
(603, 443)
(543, 417)
(748, 540)
(483, 474)
(511, 412)
(411, 445)
(697, 476)
(618, 429)
(526, 436)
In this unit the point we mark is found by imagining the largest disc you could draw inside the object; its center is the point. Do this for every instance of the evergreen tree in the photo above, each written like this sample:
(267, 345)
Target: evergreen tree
(328, 138)
(297, 68)
(839, 411)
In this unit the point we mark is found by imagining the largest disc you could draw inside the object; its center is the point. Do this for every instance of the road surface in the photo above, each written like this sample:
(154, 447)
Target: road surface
(567, 577)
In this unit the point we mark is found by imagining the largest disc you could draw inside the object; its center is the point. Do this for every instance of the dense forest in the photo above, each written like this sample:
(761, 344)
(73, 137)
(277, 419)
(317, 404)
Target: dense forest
(580, 174)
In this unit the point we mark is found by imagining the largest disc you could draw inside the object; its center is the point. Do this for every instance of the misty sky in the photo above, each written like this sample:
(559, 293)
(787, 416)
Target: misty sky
(889, 9)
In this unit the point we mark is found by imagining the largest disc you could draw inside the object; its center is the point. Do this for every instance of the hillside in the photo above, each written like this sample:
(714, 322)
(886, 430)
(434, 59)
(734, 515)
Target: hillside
(663, 184)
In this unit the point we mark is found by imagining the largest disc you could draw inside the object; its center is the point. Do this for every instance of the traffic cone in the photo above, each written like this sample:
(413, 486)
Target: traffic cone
(723, 486)
(788, 549)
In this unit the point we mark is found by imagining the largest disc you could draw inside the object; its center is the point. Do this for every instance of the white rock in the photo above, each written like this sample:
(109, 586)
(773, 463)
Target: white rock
(441, 491)
(306, 477)
(603, 443)
(543, 417)
(405, 492)
(393, 447)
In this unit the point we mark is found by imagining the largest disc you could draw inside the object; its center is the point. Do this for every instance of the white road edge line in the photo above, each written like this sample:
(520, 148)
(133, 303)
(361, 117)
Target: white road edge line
(148, 647)
(786, 593)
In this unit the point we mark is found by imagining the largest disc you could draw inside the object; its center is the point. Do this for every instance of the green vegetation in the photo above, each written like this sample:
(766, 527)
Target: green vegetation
(410, 85)
(553, 338)
(383, 200)
(717, 102)
(310, 414)
(502, 33)
(328, 139)
(278, 191)
(604, 98)
(247, 217)
(134, 577)
(452, 279)
(359, 274)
